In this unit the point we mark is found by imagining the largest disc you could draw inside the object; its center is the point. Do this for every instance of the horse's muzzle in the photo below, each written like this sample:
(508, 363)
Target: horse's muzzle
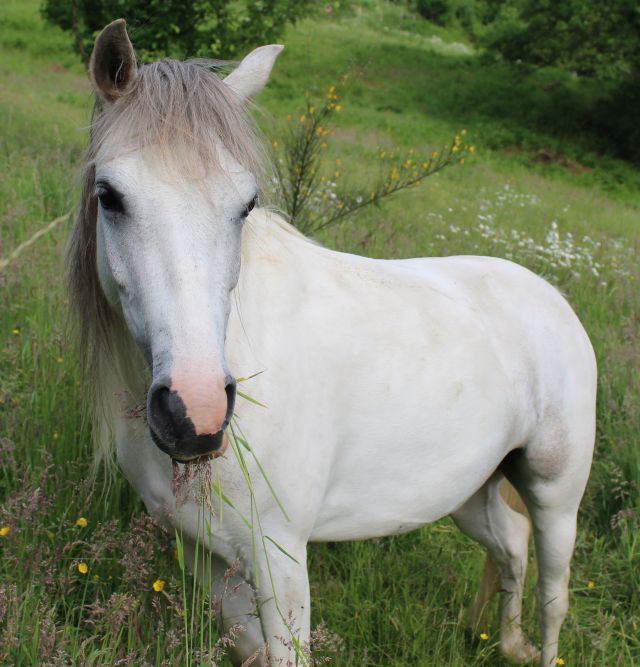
(174, 432)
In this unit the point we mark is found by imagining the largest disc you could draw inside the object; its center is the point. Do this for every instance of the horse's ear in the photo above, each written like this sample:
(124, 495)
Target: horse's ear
(113, 62)
(252, 74)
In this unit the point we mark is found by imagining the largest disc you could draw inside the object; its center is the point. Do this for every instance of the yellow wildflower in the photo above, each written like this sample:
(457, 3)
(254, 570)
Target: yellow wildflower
(81, 522)
(484, 636)
(591, 584)
(4, 531)
(434, 155)
(60, 360)
(472, 149)
(275, 144)
(83, 568)
(463, 132)
(312, 109)
(331, 91)
(338, 108)
(559, 661)
(15, 331)
(338, 162)
(337, 174)
(302, 118)
(55, 435)
(158, 585)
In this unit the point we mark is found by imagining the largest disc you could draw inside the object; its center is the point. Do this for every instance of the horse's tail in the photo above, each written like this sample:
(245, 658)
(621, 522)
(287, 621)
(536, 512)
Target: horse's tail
(490, 583)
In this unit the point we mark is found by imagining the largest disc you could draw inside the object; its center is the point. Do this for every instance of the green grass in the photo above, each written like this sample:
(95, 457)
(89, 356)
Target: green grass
(397, 601)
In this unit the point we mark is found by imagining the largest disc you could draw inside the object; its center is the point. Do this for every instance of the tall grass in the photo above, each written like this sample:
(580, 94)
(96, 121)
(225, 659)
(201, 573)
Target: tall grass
(397, 601)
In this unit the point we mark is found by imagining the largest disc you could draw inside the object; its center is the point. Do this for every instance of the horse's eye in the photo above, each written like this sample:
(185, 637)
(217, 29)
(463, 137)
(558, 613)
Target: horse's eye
(249, 207)
(110, 199)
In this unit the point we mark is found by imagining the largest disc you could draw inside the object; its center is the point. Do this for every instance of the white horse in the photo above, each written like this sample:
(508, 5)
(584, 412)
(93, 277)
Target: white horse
(398, 392)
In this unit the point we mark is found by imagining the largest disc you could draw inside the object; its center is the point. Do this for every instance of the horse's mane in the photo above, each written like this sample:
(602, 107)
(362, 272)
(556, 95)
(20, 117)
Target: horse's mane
(184, 111)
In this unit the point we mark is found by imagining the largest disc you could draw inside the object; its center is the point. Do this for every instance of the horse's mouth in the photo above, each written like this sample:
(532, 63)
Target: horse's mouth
(193, 448)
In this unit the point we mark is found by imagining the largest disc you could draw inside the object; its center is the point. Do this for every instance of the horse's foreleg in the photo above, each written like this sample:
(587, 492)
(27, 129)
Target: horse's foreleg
(284, 604)
(488, 519)
(235, 605)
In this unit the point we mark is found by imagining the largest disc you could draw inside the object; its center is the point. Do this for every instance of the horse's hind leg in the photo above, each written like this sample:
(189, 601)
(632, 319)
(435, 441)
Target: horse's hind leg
(552, 500)
(488, 519)
(550, 474)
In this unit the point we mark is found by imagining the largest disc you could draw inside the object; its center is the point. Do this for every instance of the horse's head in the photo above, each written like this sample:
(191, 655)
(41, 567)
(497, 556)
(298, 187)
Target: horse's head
(173, 181)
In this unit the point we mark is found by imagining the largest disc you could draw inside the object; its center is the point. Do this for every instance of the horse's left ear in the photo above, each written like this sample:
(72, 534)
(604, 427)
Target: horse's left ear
(252, 74)
(113, 64)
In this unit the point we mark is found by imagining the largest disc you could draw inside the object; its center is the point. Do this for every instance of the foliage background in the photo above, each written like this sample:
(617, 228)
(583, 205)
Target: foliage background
(179, 28)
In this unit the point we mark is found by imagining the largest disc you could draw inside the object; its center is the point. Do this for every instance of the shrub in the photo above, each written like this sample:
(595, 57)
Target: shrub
(179, 28)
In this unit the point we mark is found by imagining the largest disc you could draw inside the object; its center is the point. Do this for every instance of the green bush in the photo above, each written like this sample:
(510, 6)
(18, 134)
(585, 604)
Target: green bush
(445, 12)
(437, 11)
(179, 28)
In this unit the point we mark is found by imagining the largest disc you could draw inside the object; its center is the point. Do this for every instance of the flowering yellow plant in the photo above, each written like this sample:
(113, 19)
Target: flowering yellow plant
(314, 201)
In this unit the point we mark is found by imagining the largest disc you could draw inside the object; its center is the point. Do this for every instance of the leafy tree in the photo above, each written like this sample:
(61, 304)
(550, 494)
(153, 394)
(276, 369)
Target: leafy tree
(180, 28)
(592, 38)
(589, 37)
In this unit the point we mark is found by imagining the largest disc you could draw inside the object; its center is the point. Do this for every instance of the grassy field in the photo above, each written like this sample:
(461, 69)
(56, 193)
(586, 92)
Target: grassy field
(540, 190)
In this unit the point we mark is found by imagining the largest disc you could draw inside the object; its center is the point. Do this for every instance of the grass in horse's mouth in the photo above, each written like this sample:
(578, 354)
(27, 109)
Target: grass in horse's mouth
(186, 472)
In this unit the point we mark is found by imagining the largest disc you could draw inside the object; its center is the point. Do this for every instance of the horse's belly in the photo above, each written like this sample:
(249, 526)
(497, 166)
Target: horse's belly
(403, 469)
(390, 503)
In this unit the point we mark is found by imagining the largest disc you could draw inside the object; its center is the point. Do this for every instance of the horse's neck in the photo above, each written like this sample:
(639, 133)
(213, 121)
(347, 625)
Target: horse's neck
(272, 248)
(274, 273)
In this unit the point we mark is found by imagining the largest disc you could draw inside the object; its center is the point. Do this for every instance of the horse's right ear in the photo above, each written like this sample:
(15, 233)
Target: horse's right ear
(113, 64)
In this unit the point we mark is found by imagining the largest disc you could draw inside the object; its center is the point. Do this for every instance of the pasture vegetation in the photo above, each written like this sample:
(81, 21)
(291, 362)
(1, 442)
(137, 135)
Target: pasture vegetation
(107, 588)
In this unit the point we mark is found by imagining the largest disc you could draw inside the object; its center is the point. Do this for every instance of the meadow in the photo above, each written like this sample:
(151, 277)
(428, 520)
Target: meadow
(540, 190)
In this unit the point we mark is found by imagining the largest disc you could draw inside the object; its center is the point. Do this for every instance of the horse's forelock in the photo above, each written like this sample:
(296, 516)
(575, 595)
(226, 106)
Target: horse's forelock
(185, 111)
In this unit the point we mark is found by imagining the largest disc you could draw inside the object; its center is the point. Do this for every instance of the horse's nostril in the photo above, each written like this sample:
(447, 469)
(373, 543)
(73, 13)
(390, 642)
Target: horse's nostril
(162, 399)
(162, 412)
(230, 390)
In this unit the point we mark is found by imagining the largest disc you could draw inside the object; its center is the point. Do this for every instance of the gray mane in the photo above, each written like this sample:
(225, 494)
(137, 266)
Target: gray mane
(185, 110)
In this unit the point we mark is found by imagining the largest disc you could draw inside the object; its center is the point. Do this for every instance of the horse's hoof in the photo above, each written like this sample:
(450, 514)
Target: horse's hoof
(522, 652)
